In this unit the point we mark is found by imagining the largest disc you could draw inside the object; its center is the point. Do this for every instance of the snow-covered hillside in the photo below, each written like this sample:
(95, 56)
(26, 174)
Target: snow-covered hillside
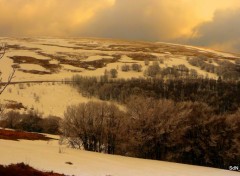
(56, 59)
(45, 155)
(45, 98)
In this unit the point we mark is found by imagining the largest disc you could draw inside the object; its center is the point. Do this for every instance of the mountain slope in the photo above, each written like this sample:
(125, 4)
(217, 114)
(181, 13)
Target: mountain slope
(45, 155)
(56, 59)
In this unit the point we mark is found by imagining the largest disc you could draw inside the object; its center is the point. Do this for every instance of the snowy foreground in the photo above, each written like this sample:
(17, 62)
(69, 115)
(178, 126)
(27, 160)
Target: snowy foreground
(45, 156)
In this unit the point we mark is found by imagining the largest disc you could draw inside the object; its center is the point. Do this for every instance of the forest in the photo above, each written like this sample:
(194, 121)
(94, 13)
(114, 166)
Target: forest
(218, 94)
(192, 121)
(184, 132)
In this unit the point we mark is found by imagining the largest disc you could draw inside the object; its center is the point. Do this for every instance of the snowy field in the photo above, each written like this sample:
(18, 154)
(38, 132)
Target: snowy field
(44, 155)
(45, 98)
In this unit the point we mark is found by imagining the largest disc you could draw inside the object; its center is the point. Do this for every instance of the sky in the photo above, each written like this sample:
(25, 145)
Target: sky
(207, 23)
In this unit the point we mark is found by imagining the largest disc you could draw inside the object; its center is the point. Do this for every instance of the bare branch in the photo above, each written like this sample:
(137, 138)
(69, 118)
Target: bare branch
(9, 81)
(2, 50)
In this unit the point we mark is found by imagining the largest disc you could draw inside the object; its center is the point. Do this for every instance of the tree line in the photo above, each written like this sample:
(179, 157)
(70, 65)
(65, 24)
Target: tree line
(218, 94)
(226, 69)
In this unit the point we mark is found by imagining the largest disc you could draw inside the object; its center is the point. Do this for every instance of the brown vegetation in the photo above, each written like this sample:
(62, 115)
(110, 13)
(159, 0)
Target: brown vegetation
(53, 68)
(37, 72)
(142, 56)
(75, 61)
(22, 169)
(31, 122)
(17, 135)
(14, 105)
(19, 47)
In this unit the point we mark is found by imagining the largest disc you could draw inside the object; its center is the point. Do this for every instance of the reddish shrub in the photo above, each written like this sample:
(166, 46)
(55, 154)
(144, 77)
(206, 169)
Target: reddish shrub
(23, 170)
(16, 135)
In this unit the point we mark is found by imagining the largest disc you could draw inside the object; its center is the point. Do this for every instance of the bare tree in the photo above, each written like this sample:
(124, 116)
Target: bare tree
(113, 73)
(3, 85)
(153, 69)
(94, 126)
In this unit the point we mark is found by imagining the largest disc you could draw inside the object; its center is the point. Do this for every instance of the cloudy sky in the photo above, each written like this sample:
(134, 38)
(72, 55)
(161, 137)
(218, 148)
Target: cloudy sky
(211, 23)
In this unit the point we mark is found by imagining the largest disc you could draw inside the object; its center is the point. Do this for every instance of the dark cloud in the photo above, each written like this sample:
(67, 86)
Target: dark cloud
(222, 32)
(140, 20)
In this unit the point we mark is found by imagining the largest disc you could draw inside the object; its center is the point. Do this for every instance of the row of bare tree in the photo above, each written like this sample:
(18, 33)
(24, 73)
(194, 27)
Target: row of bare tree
(184, 132)
(219, 94)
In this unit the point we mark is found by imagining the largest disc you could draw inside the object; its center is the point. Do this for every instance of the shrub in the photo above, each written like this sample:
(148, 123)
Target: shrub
(137, 67)
(125, 68)
(113, 73)
(146, 62)
(153, 69)
(23, 169)
(51, 125)
(31, 122)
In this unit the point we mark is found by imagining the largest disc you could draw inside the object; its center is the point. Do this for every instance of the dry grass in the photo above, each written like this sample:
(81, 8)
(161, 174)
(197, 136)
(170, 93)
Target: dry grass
(17, 135)
(53, 68)
(14, 105)
(18, 47)
(142, 56)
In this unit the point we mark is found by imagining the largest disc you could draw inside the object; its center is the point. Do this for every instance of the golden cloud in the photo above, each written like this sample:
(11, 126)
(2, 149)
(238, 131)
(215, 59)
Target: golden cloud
(47, 17)
(162, 20)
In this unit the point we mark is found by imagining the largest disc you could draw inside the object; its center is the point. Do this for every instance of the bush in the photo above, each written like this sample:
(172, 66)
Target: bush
(146, 62)
(51, 125)
(31, 122)
(113, 73)
(125, 68)
(137, 67)
(153, 69)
